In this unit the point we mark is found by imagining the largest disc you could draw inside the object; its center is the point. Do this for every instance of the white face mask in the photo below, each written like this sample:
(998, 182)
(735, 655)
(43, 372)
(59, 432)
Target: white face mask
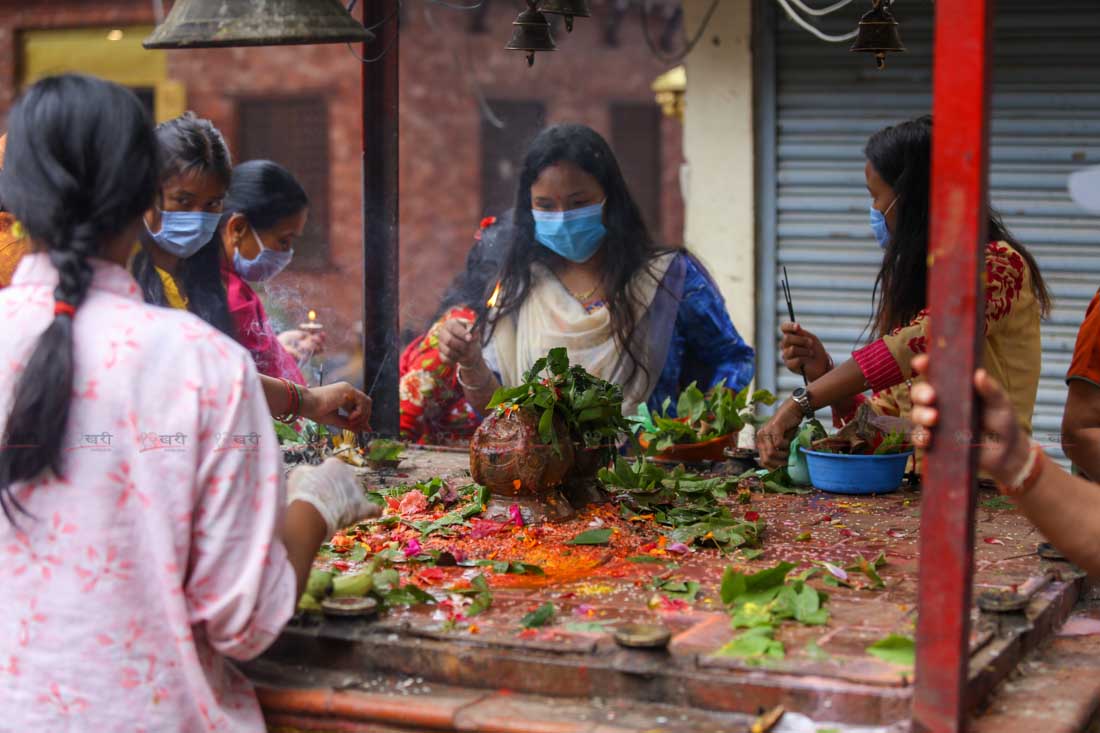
(264, 266)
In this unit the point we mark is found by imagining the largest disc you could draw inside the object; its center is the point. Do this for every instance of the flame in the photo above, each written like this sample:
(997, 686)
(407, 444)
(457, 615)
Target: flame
(312, 315)
(492, 301)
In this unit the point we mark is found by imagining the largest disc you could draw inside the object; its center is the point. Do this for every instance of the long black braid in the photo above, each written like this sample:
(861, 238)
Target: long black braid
(79, 170)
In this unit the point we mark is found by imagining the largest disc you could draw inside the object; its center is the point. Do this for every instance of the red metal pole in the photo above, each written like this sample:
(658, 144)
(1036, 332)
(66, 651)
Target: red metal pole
(380, 221)
(957, 230)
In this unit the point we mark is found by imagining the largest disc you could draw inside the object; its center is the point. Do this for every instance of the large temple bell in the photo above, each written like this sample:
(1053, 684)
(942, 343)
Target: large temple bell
(531, 33)
(217, 23)
(878, 33)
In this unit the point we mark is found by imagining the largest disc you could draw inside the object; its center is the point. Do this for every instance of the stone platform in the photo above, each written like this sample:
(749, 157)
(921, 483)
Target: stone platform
(825, 675)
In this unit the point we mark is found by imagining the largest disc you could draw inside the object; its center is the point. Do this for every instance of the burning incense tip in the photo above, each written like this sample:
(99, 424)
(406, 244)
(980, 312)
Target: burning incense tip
(489, 304)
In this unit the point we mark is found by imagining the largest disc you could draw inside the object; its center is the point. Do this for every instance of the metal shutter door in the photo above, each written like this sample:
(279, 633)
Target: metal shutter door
(1046, 124)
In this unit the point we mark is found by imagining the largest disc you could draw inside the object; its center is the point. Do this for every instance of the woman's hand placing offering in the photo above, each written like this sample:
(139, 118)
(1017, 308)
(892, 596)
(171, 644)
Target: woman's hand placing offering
(337, 404)
(773, 441)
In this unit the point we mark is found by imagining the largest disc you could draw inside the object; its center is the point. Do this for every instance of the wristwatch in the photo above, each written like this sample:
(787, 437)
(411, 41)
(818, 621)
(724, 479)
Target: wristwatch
(801, 398)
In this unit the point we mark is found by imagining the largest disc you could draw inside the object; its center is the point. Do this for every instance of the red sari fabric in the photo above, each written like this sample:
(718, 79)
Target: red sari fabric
(254, 331)
(433, 407)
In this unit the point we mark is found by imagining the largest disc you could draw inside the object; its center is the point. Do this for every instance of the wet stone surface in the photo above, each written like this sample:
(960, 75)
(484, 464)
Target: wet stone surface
(826, 672)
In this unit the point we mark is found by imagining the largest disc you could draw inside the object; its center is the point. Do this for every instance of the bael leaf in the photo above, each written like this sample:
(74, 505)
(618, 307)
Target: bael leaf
(755, 643)
(539, 617)
(895, 649)
(592, 537)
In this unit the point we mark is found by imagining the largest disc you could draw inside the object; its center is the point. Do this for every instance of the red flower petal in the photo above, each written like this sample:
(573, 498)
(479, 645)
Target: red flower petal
(752, 516)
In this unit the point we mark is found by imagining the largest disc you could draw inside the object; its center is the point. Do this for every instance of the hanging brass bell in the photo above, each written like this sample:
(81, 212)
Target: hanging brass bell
(531, 33)
(218, 23)
(878, 33)
(568, 8)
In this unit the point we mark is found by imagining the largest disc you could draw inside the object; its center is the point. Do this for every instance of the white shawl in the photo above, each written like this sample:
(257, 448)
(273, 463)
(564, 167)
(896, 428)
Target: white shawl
(551, 317)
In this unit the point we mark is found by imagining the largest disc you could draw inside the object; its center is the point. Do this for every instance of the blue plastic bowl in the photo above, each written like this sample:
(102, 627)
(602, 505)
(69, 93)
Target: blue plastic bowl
(844, 474)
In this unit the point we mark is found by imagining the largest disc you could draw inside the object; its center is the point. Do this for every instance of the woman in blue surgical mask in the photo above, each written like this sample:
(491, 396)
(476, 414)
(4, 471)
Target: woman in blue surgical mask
(582, 271)
(898, 173)
(180, 261)
(265, 213)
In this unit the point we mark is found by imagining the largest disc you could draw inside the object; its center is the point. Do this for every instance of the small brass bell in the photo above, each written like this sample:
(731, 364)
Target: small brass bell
(878, 33)
(531, 33)
(569, 8)
(219, 23)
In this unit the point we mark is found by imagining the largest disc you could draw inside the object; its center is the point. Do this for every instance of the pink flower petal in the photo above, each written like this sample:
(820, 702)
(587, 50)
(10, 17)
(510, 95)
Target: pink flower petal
(678, 548)
(836, 572)
(412, 549)
(515, 515)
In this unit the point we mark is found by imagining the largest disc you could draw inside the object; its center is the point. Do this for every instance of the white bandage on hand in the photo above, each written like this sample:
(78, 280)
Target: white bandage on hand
(334, 491)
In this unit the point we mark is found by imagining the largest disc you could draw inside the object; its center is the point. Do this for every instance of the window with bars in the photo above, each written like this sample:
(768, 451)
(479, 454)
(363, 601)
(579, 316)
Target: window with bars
(293, 132)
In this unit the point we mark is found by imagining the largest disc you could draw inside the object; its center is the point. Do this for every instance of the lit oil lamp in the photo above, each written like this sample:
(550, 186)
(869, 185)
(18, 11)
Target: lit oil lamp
(312, 327)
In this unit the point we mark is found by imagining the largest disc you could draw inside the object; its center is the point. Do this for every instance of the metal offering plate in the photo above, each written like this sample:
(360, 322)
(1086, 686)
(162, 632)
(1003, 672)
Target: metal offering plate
(642, 636)
(1048, 551)
(1002, 601)
(349, 607)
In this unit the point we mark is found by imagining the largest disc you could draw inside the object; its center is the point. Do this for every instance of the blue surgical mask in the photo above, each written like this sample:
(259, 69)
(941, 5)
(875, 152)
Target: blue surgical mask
(576, 235)
(183, 233)
(878, 224)
(264, 266)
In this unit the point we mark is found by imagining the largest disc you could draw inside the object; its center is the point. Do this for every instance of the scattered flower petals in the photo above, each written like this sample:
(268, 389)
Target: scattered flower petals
(583, 610)
(845, 532)
(428, 576)
(895, 533)
(341, 565)
(678, 548)
(993, 541)
(413, 502)
(483, 528)
(752, 516)
(412, 549)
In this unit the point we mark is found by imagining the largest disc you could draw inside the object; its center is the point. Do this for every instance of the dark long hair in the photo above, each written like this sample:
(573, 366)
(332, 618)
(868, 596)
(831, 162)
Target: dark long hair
(79, 170)
(628, 244)
(191, 145)
(902, 156)
(265, 193)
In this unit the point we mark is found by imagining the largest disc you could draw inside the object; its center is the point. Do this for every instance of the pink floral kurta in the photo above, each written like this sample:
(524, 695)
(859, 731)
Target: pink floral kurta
(156, 556)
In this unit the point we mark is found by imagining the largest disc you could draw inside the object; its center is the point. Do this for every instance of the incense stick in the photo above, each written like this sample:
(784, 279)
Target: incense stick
(790, 311)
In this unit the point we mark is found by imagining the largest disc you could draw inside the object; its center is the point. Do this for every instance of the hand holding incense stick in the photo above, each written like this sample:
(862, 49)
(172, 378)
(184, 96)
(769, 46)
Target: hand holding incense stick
(790, 311)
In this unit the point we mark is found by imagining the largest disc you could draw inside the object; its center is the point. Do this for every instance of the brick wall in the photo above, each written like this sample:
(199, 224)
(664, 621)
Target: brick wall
(440, 123)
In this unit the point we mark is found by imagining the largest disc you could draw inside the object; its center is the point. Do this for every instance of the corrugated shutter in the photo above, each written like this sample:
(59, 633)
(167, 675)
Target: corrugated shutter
(1046, 124)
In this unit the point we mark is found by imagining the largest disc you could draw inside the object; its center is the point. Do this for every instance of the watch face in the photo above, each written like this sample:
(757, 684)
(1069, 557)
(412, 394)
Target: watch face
(799, 393)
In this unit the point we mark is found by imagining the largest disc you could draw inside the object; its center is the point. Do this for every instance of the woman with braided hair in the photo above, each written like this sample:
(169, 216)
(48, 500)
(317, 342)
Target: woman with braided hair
(132, 567)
